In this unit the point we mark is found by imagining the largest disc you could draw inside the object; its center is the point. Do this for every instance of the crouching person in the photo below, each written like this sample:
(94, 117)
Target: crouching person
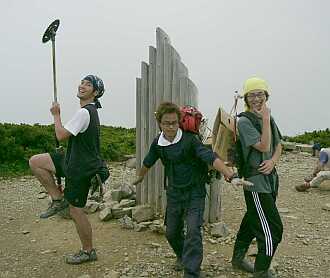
(79, 165)
(186, 162)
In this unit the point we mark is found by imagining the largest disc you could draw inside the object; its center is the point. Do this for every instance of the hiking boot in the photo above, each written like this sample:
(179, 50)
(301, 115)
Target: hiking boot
(303, 187)
(81, 257)
(55, 207)
(178, 265)
(239, 262)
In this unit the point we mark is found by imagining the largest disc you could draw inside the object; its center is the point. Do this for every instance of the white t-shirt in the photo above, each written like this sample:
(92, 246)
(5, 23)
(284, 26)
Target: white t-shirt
(79, 122)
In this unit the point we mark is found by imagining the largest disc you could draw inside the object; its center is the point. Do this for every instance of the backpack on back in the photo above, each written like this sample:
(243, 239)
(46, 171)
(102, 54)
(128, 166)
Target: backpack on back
(191, 119)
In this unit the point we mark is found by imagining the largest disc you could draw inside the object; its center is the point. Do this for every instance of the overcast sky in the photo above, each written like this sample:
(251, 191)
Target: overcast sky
(221, 42)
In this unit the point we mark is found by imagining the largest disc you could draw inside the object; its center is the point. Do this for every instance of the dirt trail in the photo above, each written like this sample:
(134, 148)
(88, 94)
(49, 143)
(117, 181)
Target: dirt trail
(30, 247)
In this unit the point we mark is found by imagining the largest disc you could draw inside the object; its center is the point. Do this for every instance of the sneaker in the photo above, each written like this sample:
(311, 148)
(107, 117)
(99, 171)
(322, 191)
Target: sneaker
(55, 207)
(178, 265)
(303, 187)
(81, 257)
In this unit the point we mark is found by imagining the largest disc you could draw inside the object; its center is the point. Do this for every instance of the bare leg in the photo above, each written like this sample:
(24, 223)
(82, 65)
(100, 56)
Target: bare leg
(83, 226)
(43, 168)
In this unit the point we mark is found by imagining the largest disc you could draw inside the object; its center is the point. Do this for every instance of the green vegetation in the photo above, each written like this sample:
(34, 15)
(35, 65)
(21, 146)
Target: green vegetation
(320, 136)
(20, 142)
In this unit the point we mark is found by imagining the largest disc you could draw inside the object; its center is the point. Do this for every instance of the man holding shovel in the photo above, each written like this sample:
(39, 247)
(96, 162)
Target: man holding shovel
(79, 165)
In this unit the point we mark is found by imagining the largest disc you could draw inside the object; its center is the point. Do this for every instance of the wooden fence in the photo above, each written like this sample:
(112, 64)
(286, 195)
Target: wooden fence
(164, 78)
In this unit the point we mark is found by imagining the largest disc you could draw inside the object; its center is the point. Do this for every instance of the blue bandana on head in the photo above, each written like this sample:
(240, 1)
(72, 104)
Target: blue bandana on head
(98, 86)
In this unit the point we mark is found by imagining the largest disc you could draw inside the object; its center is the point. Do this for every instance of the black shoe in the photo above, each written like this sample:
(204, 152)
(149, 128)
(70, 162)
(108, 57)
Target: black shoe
(178, 265)
(81, 257)
(240, 263)
(55, 207)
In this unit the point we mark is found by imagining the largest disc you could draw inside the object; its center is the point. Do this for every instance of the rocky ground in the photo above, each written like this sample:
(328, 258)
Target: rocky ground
(30, 247)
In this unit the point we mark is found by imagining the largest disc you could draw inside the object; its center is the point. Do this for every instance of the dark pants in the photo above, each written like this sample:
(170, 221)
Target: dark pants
(263, 222)
(186, 206)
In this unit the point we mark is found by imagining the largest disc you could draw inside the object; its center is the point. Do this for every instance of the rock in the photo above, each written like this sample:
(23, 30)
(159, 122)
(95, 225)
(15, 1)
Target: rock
(48, 252)
(42, 195)
(326, 207)
(219, 230)
(91, 207)
(25, 232)
(131, 163)
(116, 195)
(305, 148)
(283, 210)
(126, 203)
(126, 222)
(126, 191)
(105, 214)
(84, 276)
(140, 227)
(119, 213)
(112, 274)
(289, 146)
(142, 213)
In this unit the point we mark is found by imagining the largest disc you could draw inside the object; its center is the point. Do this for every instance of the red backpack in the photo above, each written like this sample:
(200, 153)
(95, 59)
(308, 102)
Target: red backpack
(191, 119)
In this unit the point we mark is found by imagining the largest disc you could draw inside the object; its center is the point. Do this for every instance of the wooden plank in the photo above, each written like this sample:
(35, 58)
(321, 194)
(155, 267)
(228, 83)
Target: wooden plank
(215, 201)
(160, 41)
(138, 136)
(176, 77)
(144, 125)
(223, 135)
(184, 97)
(206, 215)
(168, 71)
(152, 123)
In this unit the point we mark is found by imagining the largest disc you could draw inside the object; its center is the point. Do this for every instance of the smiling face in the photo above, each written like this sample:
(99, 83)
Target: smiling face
(169, 124)
(86, 90)
(255, 99)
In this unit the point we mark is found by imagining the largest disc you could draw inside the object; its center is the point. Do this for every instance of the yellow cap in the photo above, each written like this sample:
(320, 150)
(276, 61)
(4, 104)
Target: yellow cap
(255, 83)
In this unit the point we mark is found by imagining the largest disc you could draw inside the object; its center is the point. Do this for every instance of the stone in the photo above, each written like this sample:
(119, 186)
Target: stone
(142, 213)
(126, 191)
(112, 274)
(131, 163)
(289, 146)
(326, 207)
(283, 210)
(116, 195)
(126, 222)
(126, 203)
(121, 212)
(91, 207)
(105, 214)
(219, 230)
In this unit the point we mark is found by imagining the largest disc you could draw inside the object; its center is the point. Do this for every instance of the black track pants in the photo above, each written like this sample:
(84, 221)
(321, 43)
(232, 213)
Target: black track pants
(263, 222)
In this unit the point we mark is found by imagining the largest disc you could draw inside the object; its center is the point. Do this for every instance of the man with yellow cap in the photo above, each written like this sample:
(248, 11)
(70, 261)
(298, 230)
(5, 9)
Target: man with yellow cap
(261, 145)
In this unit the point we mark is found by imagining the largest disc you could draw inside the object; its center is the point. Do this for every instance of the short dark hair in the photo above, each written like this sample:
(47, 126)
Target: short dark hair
(167, 108)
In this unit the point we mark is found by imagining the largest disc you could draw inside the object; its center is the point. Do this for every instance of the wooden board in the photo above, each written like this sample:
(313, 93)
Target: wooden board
(223, 133)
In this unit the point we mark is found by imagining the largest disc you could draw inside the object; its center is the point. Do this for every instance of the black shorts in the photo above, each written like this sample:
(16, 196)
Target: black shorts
(77, 188)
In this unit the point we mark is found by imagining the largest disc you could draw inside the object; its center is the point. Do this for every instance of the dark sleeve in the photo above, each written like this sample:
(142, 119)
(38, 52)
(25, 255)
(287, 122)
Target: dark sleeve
(202, 152)
(277, 134)
(152, 156)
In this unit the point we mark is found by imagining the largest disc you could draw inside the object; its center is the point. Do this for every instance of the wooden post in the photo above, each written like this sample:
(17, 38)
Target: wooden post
(152, 123)
(215, 201)
(144, 125)
(138, 136)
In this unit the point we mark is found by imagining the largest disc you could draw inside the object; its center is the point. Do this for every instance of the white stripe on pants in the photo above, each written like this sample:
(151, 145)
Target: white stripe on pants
(264, 224)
